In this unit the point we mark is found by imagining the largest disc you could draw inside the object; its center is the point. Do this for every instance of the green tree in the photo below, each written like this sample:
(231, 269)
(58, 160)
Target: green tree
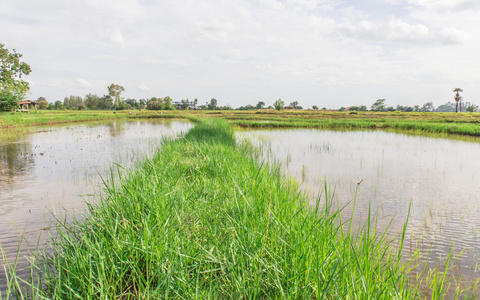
(142, 103)
(315, 107)
(132, 103)
(428, 107)
(213, 104)
(114, 91)
(184, 103)
(294, 105)
(58, 104)
(105, 102)
(42, 103)
(379, 105)
(260, 105)
(12, 87)
(73, 102)
(167, 104)
(279, 104)
(470, 107)
(358, 108)
(92, 101)
(152, 105)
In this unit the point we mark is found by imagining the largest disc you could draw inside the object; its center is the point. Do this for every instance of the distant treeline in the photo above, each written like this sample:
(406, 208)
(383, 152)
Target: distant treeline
(107, 102)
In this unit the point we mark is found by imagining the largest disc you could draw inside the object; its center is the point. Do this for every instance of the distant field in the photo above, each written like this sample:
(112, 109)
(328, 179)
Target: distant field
(445, 123)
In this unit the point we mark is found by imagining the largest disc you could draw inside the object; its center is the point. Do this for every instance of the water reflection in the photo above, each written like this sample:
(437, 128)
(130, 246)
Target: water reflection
(57, 168)
(437, 177)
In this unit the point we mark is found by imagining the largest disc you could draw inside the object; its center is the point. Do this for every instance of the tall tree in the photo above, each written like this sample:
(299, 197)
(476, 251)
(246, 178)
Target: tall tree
(73, 102)
(458, 98)
(279, 104)
(260, 105)
(428, 107)
(294, 105)
(114, 91)
(42, 103)
(184, 103)
(58, 104)
(167, 103)
(92, 101)
(213, 104)
(379, 105)
(12, 87)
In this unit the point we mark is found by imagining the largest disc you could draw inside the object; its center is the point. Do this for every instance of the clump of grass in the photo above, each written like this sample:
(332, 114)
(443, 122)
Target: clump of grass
(213, 131)
(203, 219)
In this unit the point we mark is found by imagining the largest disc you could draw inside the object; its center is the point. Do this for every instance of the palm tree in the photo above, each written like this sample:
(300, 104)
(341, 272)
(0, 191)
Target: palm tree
(457, 98)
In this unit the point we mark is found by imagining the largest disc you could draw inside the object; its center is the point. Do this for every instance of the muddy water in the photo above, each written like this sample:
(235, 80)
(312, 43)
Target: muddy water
(438, 179)
(57, 169)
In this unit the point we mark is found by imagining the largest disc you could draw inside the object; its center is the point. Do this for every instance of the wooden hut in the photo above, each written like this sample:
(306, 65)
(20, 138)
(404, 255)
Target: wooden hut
(25, 105)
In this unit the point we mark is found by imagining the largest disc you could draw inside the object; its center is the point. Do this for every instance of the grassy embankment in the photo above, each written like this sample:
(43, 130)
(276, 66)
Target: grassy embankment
(203, 219)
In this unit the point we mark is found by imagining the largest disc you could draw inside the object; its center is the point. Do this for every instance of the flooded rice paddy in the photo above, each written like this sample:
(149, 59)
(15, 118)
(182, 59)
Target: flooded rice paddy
(390, 173)
(57, 169)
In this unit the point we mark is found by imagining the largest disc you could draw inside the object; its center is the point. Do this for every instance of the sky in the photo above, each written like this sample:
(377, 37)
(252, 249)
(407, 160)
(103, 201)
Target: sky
(328, 53)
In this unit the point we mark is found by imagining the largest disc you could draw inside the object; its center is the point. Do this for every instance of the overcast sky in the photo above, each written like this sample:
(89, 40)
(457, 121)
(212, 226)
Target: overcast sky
(329, 53)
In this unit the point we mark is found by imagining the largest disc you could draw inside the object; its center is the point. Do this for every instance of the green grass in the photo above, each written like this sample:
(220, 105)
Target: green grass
(47, 117)
(203, 219)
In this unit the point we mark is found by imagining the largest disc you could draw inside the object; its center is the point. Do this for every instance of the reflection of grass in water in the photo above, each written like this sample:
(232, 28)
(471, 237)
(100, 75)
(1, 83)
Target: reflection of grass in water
(304, 173)
(325, 147)
(203, 219)
(288, 159)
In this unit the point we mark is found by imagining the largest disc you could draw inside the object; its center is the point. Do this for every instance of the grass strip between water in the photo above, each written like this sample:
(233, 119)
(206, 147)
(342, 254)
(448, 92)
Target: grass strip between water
(203, 219)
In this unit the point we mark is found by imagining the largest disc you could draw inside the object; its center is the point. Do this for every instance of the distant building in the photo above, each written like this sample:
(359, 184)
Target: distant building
(179, 106)
(445, 108)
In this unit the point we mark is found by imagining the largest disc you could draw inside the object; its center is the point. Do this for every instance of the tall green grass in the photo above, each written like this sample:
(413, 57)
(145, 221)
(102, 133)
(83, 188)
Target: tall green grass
(203, 219)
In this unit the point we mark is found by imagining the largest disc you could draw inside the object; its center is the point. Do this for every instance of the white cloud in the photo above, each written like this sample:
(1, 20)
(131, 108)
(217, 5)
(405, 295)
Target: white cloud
(83, 83)
(274, 4)
(153, 60)
(143, 87)
(117, 37)
(438, 5)
(389, 29)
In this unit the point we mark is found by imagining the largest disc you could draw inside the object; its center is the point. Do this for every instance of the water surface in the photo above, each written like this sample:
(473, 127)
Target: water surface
(56, 170)
(390, 173)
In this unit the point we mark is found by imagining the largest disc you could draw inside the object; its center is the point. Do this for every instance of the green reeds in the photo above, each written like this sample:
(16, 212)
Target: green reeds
(204, 220)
